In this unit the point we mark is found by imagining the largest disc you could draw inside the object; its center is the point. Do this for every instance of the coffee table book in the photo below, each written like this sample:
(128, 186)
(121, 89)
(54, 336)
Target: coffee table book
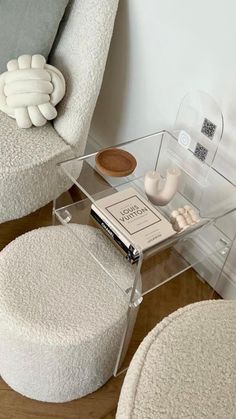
(131, 222)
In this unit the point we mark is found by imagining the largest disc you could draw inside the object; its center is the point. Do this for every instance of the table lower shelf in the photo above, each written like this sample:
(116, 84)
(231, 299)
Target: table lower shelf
(164, 263)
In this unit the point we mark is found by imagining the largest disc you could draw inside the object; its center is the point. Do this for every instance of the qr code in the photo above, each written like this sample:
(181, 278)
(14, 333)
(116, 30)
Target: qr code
(208, 129)
(200, 152)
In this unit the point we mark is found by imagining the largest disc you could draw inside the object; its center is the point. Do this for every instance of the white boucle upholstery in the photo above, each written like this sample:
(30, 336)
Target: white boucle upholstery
(29, 178)
(61, 315)
(185, 367)
(81, 56)
(28, 175)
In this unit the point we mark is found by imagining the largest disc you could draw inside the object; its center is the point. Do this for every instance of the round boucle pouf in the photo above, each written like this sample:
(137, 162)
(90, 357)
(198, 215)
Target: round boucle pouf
(185, 367)
(61, 315)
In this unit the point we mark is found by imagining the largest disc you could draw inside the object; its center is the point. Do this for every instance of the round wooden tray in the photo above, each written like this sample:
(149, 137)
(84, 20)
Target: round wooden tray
(115, 162)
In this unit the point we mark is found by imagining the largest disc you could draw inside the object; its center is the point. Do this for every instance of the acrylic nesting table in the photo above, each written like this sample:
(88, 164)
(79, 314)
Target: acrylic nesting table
(203, 247)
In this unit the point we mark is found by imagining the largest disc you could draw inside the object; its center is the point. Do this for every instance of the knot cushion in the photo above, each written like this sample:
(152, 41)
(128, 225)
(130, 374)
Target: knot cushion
(30, 90)
(61, 314)
(185, 367)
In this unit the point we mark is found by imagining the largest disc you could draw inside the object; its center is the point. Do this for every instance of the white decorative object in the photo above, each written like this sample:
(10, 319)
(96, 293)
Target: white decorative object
(161, 194)
(184, 217)
(185, 367)
(62, 315)
(30, 90)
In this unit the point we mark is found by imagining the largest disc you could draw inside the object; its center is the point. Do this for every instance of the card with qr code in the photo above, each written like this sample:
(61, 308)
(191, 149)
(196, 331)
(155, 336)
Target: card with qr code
(208, 129)
(200, 152)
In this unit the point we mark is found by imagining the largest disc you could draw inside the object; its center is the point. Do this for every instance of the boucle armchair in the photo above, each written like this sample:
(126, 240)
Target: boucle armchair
(29, 178)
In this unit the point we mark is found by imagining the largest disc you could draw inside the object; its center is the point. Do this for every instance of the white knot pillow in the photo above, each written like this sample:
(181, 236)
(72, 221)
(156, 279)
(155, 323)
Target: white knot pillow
(30, 90)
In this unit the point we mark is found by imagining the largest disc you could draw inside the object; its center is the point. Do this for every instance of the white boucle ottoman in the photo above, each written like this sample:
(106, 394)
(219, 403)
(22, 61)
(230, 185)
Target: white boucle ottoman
(61, 314)
(185, 367)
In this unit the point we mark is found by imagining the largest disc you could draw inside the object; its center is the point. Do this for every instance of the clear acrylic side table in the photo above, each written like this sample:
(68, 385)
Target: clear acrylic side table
(208, 242)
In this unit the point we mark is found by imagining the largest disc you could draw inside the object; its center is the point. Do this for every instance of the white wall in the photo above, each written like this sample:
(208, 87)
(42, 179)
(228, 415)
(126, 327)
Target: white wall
(161, 50)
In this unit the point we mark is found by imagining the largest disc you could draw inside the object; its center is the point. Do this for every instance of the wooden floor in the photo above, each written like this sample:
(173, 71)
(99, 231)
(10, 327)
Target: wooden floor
(182, 290)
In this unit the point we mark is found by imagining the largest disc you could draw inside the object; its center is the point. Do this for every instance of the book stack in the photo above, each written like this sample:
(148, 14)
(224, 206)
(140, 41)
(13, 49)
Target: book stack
(131, 222)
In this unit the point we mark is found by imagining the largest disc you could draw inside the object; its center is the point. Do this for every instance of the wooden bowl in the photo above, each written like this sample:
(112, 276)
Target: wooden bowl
(115, 162)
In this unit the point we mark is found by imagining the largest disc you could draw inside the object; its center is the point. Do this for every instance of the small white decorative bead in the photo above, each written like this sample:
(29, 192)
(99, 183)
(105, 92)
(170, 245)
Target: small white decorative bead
(180, 218)
(188, 220)
(187, 208)
(194, 216)
(174, 214)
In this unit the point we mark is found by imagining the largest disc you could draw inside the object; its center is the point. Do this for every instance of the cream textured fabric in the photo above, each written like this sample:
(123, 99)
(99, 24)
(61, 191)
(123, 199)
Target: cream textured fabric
(186, 367)
(81, 56)
(29, 178)
(30, 90)
(61, 315)
(28, 174)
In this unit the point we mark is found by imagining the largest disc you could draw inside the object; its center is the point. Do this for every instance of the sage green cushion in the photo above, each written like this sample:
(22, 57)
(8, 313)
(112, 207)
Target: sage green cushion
(28, 27)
